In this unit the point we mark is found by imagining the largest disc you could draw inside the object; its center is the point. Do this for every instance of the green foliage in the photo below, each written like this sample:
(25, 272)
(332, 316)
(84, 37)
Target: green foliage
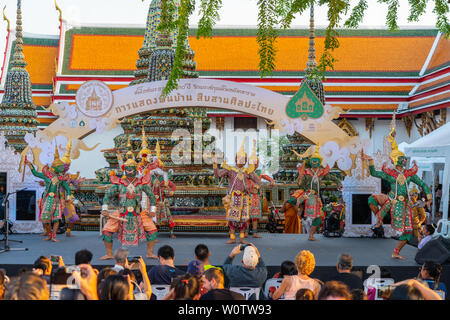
(267, 35)
(391, 17)
(209, 9)
(441, 9)
(167, 24)
(417, 9)
(182, 23)
(357, 14)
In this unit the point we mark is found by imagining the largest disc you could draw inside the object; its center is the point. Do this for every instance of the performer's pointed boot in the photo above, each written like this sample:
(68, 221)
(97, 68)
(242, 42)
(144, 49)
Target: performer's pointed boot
(109, 253)
(55, 228)
(232, 238)
(150, 254)
(255, 229)
(241, 238)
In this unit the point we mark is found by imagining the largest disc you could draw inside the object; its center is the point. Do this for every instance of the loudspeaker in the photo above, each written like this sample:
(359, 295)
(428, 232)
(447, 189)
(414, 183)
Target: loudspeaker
(435, 250)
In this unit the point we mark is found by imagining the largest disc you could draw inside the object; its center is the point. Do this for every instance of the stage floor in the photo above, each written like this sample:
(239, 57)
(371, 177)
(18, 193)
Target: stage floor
(274, 248)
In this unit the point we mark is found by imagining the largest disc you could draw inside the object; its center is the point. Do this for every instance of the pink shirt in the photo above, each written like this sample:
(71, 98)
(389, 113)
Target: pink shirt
(297, 284)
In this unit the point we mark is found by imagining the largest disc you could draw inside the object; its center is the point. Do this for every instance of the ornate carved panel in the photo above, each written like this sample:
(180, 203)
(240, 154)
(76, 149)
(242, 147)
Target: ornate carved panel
(9, 163)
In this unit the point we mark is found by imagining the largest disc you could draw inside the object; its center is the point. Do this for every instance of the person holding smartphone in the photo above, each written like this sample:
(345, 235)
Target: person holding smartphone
(252, 273)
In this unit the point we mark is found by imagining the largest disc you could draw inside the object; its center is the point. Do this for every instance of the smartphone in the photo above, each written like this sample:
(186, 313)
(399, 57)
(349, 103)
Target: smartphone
(133, 259)
(54, 258)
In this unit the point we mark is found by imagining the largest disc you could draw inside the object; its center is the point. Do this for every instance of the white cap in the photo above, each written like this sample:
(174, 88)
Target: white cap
(250, 258)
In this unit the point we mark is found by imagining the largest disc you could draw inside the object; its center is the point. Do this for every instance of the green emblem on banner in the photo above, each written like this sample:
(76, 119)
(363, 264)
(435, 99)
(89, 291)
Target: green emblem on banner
(304, 104)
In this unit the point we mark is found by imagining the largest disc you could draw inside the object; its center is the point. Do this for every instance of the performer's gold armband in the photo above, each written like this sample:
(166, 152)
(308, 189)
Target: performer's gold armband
(429, 197)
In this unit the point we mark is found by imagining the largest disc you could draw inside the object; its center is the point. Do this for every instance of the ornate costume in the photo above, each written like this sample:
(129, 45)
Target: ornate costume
(51, 205)
(132, 221)
(159, 183)
(256, 208)
(398, 205)
(312, 203)
(237, 201)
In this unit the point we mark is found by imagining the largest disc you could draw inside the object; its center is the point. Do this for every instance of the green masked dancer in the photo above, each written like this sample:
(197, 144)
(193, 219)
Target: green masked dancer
(127, 221)
(51, 205)
(399, 206)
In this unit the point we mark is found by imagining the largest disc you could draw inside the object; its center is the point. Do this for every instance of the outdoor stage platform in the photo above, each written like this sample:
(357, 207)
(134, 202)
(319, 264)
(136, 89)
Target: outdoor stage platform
(273, 247)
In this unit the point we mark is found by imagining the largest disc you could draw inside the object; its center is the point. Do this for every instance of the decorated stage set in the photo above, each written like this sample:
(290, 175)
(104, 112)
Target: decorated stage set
(135, 162)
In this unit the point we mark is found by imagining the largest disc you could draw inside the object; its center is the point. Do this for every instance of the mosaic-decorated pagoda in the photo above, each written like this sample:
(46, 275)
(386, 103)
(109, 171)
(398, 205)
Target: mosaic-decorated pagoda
(18, 115)
(197, 203)
(286, 177)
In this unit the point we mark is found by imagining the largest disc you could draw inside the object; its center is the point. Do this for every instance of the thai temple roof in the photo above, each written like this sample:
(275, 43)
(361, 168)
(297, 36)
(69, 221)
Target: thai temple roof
(377, 71)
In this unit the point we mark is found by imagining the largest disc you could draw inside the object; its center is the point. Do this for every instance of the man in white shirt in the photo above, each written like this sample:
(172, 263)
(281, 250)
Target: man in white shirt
(428, 232)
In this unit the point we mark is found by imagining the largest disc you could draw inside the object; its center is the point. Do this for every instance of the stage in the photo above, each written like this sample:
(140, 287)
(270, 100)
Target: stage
(273, 247)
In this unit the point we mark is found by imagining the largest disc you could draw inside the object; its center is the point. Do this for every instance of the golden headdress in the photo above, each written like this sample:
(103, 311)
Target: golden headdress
(395, 154)
(129, 155)
(57, 161)
(158, 153)
(66, 158)
(241, 153)
(144, 145)
(253, 157)
(316, 153)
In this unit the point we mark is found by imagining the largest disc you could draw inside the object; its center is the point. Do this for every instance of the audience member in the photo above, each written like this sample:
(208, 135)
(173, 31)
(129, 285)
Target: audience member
(344, 267)
(305, 264)
(141, 285)
(287, 268)
(428, 232)
(184, 287)
(121, 257)
(166, 271)
(412, 290)
(83, 257)
(3, 281)
(103, 274)
(252, 273)
(304, 294)
(334, 290)
(27, 286)
(358, 294)
(213, 283)
(43, 267)
(202, 254)
(195, 268)
(116, 287)
(431, 274)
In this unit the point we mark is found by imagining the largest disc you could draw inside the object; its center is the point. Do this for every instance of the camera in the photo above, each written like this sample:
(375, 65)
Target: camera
(133, 259)
(243, 246)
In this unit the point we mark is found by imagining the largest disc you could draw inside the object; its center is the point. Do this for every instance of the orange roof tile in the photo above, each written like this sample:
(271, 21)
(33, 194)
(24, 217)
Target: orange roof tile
(441, 54)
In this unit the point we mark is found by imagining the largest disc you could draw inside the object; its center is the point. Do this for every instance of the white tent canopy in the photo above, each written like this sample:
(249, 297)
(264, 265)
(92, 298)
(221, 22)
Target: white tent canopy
(435, 145)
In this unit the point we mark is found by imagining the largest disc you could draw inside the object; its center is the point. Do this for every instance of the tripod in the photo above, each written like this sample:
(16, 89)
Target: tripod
(6, 238)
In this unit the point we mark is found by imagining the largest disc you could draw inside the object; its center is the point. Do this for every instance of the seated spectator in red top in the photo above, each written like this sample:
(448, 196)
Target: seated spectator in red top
(213, 282)
(166, 271)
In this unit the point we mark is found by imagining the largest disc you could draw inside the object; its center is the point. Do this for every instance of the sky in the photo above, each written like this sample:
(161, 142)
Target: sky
(40, 16)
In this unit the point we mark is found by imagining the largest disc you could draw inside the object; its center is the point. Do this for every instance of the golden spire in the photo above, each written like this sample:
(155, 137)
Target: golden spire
(311, 64)
(241, 153)
(57, 161)
(6, 19)
(253, 157)
(316, 153)
(144, 145)
(66, 158)
(59, 10)
(395, 154)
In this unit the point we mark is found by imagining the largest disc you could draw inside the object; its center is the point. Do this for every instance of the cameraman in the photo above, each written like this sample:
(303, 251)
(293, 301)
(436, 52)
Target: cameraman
(252, 273)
